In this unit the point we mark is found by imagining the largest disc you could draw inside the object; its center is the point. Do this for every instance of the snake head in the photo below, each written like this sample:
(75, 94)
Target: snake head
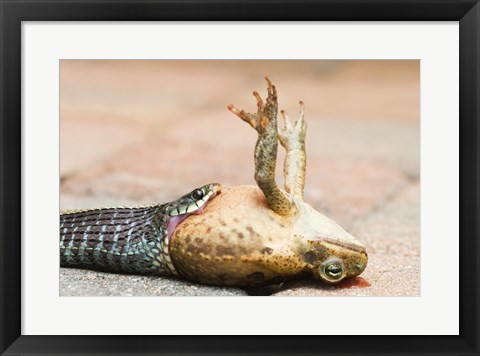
(191, 203)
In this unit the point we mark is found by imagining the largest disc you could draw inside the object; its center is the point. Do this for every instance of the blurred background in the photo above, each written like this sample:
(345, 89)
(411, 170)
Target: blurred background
(138, 132)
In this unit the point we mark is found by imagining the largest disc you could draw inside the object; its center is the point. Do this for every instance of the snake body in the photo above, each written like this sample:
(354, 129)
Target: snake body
(132, 240)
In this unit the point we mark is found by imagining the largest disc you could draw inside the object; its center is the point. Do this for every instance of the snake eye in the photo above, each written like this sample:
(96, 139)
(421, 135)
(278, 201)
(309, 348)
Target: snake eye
(334, 270)
(197, 194)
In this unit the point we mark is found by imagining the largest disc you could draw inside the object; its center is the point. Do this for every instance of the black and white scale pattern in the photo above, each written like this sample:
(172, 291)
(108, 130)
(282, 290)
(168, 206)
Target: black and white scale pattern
(127, 239)
(133, 240)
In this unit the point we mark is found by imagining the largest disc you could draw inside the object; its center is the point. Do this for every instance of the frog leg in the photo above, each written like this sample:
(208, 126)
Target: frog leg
(292, 138)
(265, 123)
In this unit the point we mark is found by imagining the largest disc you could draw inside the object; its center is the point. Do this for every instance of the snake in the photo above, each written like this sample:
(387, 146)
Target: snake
(128, 239)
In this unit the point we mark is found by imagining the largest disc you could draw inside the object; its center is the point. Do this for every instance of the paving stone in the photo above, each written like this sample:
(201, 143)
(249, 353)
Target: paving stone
(69, 202)
(347, 189)
(146, 91)
(394, 228)
(107, 106)
(139, 132)
(142, 92)
(384, 142)
(82, 283)
(362, 90)
(87, 140)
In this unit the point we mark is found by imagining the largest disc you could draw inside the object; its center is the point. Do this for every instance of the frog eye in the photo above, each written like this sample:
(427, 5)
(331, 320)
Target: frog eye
(197, 194)
(333, 270)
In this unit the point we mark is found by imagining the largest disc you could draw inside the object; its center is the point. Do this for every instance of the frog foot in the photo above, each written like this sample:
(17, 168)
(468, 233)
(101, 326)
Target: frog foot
(264, 121)
(266, 116)
(292, 138)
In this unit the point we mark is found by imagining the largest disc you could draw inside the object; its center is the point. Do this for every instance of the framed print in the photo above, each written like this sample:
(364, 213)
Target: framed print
(179, 234)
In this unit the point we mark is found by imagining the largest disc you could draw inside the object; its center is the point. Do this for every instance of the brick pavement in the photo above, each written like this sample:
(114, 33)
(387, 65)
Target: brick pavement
(148, 131)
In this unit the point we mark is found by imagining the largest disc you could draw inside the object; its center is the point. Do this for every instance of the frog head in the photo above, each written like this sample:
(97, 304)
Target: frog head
(329, 252)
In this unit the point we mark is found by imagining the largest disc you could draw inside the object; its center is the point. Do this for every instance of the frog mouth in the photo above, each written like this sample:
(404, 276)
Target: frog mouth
(345, 245)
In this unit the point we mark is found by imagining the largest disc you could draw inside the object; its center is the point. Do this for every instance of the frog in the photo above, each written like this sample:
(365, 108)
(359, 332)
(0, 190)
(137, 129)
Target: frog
(252, 236)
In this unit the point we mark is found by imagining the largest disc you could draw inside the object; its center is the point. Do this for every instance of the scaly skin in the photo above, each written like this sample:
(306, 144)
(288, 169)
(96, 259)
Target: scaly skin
(128, 239)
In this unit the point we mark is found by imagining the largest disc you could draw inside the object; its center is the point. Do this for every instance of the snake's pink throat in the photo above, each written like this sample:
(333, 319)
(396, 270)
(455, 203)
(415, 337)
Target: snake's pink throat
(174, 221)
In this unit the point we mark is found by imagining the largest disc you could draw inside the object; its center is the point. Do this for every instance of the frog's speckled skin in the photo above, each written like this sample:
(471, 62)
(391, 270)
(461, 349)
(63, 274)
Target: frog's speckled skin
(249, 236)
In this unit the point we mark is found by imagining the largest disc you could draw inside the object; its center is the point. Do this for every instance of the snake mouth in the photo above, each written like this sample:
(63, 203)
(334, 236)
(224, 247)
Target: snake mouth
(174, 220)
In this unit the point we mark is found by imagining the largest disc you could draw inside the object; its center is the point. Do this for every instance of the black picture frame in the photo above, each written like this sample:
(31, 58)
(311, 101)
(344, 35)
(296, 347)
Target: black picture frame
(13, 12)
